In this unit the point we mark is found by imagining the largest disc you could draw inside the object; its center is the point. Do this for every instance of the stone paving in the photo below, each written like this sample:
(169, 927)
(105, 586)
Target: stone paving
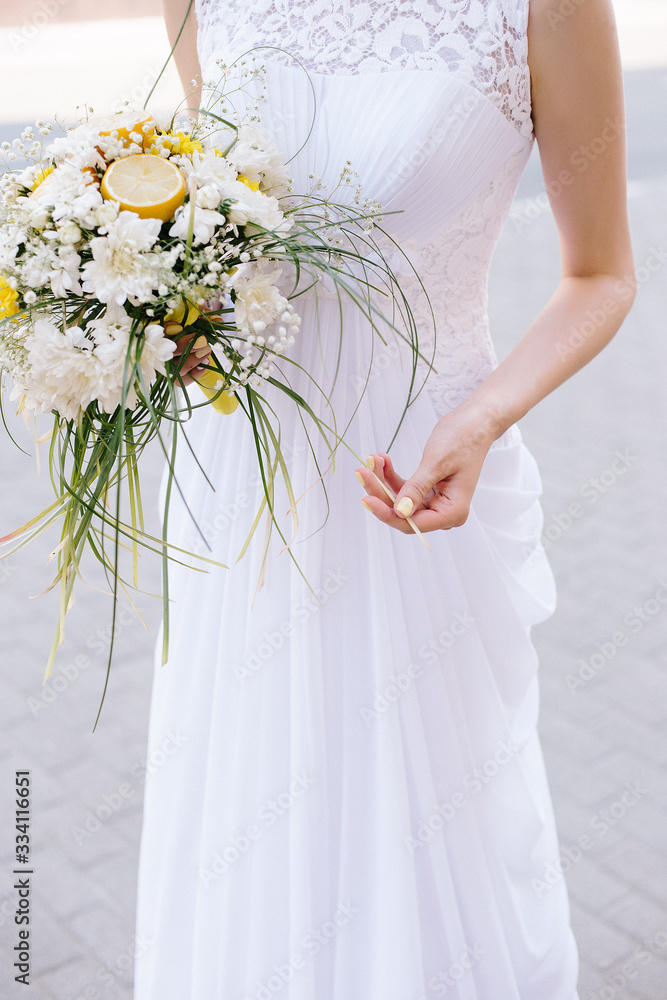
(601, 445)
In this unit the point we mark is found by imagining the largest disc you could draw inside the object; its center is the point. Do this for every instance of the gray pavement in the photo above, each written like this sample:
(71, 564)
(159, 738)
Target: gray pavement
(601, 445)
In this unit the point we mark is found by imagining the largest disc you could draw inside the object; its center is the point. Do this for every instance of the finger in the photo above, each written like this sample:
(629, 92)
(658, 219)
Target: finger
(191, 342)
(369, 480)
(419, 490)
(384, 512)
(193, 374)
(391, 477)
(426, 519)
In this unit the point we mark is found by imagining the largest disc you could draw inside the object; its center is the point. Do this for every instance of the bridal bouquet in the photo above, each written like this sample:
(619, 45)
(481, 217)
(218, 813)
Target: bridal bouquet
(121, 236)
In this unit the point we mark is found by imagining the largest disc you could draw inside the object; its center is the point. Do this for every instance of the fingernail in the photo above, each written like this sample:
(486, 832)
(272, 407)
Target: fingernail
(202, 352)
(365, 504)
(370, 461)
(200, 342)
(405, 506)
(359, 477)
(171, 329)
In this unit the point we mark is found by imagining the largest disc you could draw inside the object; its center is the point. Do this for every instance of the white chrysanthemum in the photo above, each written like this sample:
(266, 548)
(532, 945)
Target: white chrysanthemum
(35, 214)
(122, 267)
(210, 169)
(36, 266)
(256, 209)
(62, 187)
(78, 147)
(68, 232)
(29, 177)
(112, 338)
(258, 301)
(57, 267)
(256, 156)
(208, 196)
(103, 215)
(64, 277)
(206, 222)
(62, 371)
(82, 209)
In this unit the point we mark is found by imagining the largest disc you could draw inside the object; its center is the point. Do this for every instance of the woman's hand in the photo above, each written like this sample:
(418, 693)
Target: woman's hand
(198, 352)
(439, 493)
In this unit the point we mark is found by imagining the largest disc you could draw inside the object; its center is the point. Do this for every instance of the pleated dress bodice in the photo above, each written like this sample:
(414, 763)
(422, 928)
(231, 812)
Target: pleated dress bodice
(430, 102)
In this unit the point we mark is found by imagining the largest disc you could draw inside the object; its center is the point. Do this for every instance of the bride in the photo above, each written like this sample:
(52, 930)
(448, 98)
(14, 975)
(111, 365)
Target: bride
(359, 809)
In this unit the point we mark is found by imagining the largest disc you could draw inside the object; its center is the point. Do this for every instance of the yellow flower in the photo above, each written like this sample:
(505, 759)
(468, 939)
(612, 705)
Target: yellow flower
(253, 185)
(39, 177)
(178, 143)
(8, 299)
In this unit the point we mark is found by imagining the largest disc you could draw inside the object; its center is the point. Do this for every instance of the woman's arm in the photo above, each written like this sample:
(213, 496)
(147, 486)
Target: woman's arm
(181, 14)
(579, 119)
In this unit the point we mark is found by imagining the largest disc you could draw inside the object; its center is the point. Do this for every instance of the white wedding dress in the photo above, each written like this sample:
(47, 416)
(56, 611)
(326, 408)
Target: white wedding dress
(348, 798)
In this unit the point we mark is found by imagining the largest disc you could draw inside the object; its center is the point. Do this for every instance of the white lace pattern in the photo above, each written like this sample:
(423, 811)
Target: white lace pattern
(453, 270)
(482, 42)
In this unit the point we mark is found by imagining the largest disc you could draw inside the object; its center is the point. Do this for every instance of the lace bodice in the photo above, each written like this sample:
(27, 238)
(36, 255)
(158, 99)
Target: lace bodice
(430, 101)
(483, 42)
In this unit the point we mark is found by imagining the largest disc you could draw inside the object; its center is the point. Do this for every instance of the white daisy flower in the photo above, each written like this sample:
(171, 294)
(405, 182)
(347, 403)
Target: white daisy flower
(205, 224)
(256, 209)
(78, 147)
(69, 232)
(256, 156)
(64, 275)
(258, 301)
(62, 371)
(211, 169)
(122, 267)
(112, 339)
(82, 209)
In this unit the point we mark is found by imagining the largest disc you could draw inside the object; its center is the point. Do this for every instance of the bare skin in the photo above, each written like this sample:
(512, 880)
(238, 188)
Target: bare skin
(577, 99)
(576, 92)
(187, 63)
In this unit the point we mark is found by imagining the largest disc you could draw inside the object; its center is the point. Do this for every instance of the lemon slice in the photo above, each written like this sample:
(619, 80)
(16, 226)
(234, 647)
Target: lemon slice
(145, 184)
(124, 123)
